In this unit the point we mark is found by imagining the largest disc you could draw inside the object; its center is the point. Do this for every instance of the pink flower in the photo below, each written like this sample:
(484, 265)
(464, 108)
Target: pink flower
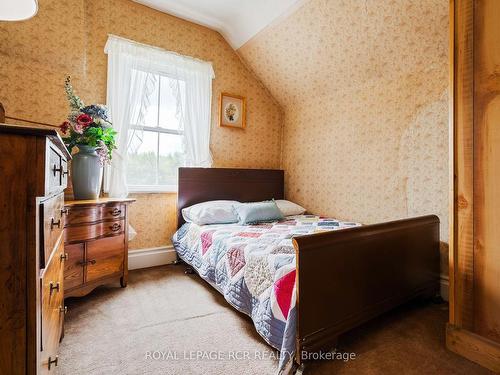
(84, 120)
(77, 128)
(64, 127)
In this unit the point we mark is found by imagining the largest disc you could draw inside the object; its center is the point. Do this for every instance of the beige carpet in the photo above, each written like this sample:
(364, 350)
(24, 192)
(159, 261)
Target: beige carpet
(165, 320)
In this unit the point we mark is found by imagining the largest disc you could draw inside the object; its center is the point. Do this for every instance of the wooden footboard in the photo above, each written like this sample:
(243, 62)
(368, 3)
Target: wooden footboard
(347, 277)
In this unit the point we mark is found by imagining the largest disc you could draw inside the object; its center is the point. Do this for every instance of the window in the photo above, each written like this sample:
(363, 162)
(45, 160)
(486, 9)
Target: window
(159, 104)
(156, 149)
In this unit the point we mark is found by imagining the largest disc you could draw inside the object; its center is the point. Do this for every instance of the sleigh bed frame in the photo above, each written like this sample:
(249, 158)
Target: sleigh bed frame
(345, 277)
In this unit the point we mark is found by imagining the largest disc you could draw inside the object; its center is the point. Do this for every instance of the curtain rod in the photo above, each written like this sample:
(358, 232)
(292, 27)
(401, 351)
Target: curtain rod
(160, 49)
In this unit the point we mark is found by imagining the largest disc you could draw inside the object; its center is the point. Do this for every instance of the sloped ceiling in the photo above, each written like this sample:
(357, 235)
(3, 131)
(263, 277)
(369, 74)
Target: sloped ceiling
(236, 20)
(329, 46)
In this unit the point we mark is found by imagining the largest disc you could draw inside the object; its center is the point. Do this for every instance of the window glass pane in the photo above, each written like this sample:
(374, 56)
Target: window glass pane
(142, 158)
(168, 102)
(171, 158)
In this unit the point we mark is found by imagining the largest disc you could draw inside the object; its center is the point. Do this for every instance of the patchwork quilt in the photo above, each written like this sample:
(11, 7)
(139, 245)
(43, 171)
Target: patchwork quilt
(253, 266)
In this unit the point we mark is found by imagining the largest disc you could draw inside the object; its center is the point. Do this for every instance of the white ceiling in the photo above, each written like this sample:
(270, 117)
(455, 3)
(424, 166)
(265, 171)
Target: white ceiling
(236, 20)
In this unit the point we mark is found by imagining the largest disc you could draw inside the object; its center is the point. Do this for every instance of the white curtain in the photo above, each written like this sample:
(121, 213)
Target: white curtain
(132, 72)
(194, 114)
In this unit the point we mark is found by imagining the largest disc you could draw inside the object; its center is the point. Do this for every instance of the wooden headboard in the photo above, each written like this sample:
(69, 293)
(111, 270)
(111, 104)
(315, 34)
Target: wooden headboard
(198, 185)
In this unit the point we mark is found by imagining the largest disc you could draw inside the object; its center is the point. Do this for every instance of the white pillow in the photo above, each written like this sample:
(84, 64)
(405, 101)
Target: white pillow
(211, 212)
(289, 208)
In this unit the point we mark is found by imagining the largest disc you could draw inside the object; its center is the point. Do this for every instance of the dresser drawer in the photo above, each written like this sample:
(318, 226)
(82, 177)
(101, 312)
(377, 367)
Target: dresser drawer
(105, 257)
(81, 215)
(52, 224)
(56, 170)
(52, 296)
(92, 231)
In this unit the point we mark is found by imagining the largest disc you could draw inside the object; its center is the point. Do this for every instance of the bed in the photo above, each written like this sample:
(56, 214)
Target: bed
(303, 280)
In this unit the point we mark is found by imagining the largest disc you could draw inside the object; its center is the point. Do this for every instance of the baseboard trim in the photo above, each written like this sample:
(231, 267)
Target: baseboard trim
(473, 347)
(151, 257)
(445, 286)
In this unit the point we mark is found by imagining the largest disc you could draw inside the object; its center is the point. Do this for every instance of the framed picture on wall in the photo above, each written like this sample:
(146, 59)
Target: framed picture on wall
(232, 111)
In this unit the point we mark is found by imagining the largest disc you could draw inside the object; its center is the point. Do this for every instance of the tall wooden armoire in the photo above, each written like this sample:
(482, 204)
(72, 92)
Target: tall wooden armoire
(474, 327)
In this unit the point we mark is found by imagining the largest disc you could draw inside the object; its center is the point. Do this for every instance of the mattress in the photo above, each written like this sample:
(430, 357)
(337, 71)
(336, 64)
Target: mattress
(253, 266)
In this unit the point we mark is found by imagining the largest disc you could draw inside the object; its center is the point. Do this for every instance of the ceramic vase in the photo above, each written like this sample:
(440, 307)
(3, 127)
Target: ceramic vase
(86, 173)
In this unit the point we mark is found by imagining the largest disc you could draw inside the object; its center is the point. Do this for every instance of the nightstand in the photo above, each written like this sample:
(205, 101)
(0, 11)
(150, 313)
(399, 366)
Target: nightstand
(96, 244)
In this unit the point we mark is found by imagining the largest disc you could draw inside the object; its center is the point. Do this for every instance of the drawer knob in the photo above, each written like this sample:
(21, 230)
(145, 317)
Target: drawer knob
(54, 223)
(115, 227)
(56, 170)
(53, 287)
(53, 361)
(64, 257)
(116, 212)
(87, 262)
(64, 211)
(63, 309)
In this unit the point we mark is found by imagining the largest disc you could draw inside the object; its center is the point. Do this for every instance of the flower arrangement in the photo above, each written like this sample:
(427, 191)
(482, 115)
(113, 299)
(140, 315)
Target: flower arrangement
(88, 126)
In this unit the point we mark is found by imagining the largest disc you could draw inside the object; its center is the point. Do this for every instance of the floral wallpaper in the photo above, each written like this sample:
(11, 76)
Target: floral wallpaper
(68, 37)
(364, 89)
(154, 218)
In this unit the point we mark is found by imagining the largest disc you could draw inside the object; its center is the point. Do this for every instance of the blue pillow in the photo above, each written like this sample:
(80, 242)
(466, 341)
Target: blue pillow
(257, 212)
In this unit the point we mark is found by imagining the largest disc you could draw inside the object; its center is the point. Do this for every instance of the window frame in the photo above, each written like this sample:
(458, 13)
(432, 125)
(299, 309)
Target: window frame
(160, 130)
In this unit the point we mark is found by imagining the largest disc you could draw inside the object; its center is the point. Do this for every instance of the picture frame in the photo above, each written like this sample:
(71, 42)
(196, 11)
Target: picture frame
(232, 111)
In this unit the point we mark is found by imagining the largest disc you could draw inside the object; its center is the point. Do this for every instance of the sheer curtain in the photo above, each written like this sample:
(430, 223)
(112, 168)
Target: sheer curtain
(133, 69)
(193, 110)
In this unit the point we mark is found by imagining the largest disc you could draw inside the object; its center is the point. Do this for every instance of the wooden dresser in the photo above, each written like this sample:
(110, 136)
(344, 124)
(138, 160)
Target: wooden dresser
(96, 241)
(33, 172)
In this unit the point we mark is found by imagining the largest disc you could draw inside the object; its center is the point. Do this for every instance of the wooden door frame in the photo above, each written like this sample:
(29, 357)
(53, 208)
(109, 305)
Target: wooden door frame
(459, 336)
(461, 265)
